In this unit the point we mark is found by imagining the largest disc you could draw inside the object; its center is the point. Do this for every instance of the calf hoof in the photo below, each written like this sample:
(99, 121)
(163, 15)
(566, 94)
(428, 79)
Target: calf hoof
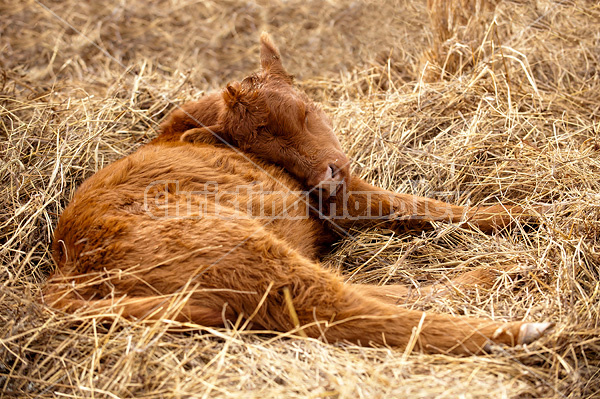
(529, 332)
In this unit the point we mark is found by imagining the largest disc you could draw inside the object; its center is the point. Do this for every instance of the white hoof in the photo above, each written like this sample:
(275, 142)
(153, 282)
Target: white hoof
(529, 332)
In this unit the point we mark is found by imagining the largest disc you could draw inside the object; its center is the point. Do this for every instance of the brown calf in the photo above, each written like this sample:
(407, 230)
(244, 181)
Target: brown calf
(212, 223)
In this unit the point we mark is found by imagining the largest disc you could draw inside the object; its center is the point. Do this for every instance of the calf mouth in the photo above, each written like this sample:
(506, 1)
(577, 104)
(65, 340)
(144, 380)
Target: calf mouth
(332, 179)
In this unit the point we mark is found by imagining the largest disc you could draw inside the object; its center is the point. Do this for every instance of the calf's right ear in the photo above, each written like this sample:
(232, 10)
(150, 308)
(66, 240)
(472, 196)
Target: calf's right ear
(270, 60)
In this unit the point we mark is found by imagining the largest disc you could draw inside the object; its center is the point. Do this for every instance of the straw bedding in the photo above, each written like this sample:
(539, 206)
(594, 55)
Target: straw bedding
(468, 101)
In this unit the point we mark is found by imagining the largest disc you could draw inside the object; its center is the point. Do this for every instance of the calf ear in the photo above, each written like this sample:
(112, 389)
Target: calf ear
(270, 60)
(234, 94)
(244, 113)
(206, 134)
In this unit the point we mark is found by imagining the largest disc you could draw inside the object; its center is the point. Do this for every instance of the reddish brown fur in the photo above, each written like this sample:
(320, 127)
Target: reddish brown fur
(113, 251)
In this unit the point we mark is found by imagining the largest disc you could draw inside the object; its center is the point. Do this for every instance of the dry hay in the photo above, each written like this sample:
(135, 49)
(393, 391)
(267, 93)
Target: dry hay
(514, 119)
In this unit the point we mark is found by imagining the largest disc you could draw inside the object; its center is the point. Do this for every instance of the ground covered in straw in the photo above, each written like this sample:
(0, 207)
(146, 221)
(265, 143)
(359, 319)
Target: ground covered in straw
(471, 101)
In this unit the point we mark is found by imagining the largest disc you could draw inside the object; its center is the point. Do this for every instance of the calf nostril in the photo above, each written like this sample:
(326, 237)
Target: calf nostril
(334, 170)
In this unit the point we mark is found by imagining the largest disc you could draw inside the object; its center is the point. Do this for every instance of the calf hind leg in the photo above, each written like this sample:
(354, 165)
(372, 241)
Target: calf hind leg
(147, 308)
(396, 294)
(361, 319)
(324, 307)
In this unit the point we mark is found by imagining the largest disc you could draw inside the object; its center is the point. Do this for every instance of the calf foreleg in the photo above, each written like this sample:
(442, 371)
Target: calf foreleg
(363, 204)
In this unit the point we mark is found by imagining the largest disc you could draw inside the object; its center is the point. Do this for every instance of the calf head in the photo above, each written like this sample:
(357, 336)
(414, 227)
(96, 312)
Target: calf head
(266, 115)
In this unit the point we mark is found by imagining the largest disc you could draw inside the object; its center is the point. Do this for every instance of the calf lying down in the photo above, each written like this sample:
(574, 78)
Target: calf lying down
(223, 216)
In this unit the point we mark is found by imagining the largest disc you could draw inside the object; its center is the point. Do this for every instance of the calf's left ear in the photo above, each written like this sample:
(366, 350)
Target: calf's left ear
(245, 111)
(235, 94)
